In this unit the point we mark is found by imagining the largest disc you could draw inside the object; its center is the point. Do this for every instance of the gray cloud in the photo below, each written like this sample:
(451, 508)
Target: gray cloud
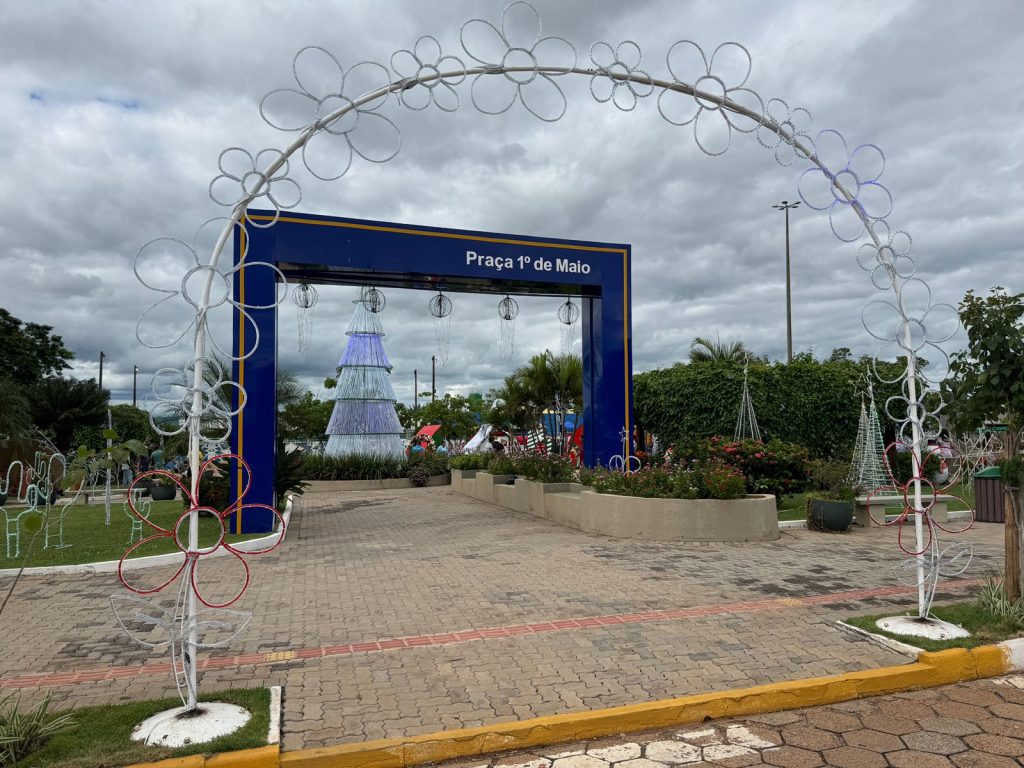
(115, 115)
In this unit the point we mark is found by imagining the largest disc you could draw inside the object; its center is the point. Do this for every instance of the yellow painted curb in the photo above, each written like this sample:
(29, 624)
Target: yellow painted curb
(930, 670)
(260, 757)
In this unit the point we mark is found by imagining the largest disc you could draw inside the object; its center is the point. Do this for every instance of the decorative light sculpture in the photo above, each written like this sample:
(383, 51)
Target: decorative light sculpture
(305, 297)
(746, 420)
(337, 125)
(568, 316)
(870, 467)
(373, 299)
(441, 310)
(364, 421)
(624, 462)
(508, 310)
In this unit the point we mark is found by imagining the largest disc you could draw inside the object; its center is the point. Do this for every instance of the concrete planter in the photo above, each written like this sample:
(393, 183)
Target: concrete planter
(332, 486)
(752, 518)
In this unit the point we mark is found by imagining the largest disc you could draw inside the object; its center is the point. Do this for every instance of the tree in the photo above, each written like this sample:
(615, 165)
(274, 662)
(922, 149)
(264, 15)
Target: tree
(704, 350)
(28, 351)
(459, 415)
(305, 419)
(986, 383)
(545, 381)
(15, 413)
(839, 354)
(61, 405)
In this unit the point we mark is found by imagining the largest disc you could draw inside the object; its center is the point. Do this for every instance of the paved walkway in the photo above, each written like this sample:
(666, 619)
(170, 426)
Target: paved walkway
(391, 613)
(970, 725)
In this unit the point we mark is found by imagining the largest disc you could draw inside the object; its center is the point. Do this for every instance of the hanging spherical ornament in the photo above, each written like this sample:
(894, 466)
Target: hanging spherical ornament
(305, 298)
(508, 309)
(568, 315)
(373, 299)
(441, 310)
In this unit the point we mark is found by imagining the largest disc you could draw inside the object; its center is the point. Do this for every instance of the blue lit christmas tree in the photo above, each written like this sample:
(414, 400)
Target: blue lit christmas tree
(364, 421)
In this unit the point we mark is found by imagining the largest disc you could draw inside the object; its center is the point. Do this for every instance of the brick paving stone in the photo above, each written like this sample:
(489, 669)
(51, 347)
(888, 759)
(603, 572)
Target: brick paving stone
(792, 757)
(854, 757)
(809, 737)
(975, 696)
(1008, 711)
(997, 745)
(876, 741)
(672, 752)
(909, 758)
(831, 720)
(983, 760)
(894, 725)
(936, 743)
(949, 725)
(616, 753)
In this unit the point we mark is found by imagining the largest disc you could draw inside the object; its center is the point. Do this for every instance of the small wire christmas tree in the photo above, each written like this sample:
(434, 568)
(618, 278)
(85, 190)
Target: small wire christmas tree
(746, 421)
(364, 421)
(870, 468)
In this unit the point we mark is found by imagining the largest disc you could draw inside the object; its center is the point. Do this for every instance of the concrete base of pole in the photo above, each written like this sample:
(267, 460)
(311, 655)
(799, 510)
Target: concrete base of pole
(178, 727)
(912, 626)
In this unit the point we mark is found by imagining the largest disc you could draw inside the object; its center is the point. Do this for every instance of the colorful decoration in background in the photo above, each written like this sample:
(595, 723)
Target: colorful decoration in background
(441, 310)
(186, 626)
(568, 316)
(305, 297)
(508, 310)
(364, 422)
(926, 560)
(870, 467)
(746, 420)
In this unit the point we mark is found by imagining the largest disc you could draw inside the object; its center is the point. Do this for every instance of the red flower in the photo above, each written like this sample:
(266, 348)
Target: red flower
(194, 506)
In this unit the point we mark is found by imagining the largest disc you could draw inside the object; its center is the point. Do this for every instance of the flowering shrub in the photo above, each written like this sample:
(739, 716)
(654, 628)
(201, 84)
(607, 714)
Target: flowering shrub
(774, 467)
(471, 461)
(711, 480)
(545, 468)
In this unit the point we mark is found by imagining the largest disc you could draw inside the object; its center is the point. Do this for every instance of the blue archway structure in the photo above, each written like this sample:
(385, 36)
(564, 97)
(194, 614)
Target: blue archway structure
(327, 249)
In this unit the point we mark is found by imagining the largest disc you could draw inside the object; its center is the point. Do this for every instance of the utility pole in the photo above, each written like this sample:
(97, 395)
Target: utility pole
(415, 390)
(135, 383)
(785, 206)
(433, 377)
(102, 355)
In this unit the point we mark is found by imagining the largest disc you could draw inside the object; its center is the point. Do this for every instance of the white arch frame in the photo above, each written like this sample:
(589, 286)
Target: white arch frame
(194, 391)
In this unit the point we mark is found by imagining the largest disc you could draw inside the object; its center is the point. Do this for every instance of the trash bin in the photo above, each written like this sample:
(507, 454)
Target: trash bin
(988, 496)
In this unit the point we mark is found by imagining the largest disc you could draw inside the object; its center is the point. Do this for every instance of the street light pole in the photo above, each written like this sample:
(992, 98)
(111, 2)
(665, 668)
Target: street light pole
(135, 383)
(102, 355)
(785, 206)
(415, 390)
(433, 377)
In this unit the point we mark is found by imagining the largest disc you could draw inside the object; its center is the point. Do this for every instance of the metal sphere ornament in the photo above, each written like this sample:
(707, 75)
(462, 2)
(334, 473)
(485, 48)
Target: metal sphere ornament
(305, 297)
(568, 316)
(373, 299)
(508, 310)
(441, 310)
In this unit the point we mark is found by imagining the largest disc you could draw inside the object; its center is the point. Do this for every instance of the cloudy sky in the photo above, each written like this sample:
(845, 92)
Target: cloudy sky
(115, 114)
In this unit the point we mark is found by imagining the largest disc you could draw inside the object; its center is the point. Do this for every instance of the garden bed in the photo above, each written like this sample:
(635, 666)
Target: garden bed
(751, 518)
(391, 483)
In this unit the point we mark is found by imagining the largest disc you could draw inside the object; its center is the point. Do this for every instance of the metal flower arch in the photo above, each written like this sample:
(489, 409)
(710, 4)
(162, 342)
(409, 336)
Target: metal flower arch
(337, 122)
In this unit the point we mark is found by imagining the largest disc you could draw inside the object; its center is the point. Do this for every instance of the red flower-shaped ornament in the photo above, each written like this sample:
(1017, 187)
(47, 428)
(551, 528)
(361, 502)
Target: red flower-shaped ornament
(179, 533)
(930, 491)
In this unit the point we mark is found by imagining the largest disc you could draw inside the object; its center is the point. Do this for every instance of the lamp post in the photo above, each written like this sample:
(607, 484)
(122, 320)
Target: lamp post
(415, 389)
(785, 205)
(102, 355)
(135, 382)
(433, 377)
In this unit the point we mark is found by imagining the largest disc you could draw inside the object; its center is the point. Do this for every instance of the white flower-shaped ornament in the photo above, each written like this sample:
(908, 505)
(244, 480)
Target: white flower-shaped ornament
(431, 73)
(244, 178)
(191, 289)
(339, 107)
(613, 66)
(220, 399)
(794, 126)
(889, 259)
(526, 56)
(714, 81)
(847, 186)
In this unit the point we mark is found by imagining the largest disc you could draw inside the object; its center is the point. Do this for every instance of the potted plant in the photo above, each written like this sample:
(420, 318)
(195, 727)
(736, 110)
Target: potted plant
(164, 489)
(830, 502)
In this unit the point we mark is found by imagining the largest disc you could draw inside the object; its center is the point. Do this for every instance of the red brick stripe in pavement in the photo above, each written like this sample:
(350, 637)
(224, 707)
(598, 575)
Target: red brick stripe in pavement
(94, 674)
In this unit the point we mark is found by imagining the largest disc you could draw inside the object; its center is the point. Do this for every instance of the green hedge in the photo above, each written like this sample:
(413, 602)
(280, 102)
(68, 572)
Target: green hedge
(369, 468)
(810, 403)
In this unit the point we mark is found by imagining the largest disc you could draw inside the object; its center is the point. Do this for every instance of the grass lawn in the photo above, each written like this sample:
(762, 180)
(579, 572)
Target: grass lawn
(985, 627)
(102, 735)
(92, 541)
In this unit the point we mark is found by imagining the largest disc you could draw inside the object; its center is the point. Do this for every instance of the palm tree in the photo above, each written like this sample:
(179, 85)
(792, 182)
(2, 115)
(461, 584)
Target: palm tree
(61, 405)
(545, 380)
(704, 350)
(15, 410)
